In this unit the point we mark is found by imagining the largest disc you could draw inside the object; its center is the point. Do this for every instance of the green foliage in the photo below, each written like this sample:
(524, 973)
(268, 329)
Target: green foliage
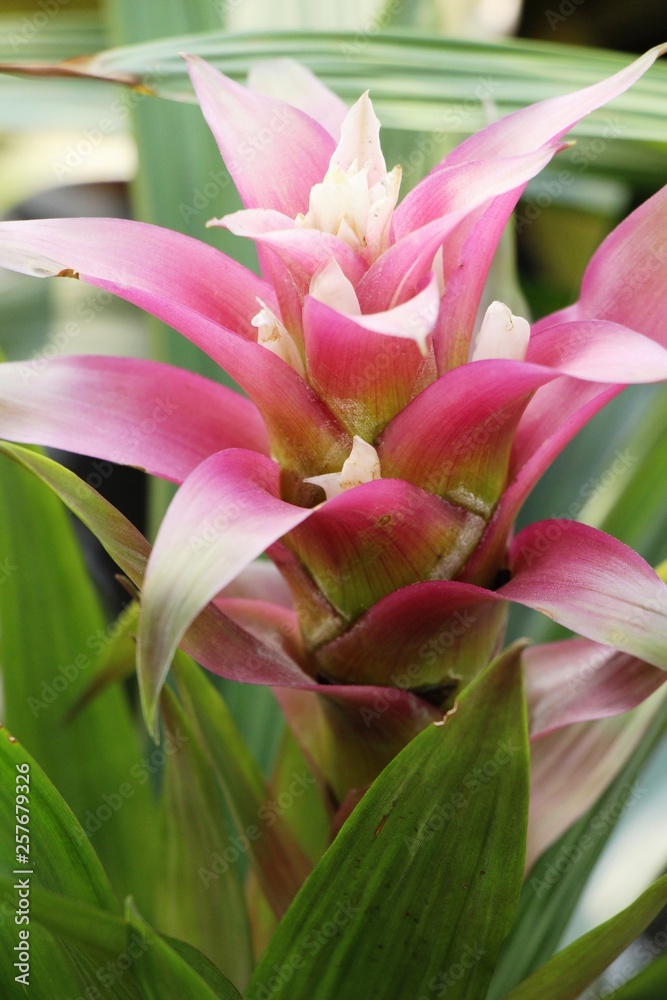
(384, 906)
(571, 970)
(403, 917)
(52, 632)
(58, 908)
(558, 878)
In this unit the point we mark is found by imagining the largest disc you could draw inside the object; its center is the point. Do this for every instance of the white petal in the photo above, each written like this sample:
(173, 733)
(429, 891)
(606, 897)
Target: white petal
(502, 335)
(383, 202)
(361, 466)
(360, 141)
(272, 334)
(330, 483)
(330, 286)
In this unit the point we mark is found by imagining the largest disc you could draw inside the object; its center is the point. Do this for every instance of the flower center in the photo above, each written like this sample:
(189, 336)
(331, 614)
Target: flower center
(356, 199)
(349, 206)
(361, 466)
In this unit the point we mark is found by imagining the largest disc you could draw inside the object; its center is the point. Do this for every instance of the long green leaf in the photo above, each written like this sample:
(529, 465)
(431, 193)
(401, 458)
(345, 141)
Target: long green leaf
(42, 846)
(262, 830)
(203, 907)
(54, 850)
(571, 970)
(71, 104)
(422, 84)
(51, 632)
(649, 984)
(556, 881)
(419, 888)
(167, 972)
(416, 80)
(118, 958)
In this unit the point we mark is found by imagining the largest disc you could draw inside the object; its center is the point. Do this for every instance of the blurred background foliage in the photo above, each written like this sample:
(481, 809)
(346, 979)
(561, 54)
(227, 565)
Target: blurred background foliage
(439, 69)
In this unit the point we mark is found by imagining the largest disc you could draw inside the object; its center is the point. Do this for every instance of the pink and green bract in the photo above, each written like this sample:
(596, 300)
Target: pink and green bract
(389, 436)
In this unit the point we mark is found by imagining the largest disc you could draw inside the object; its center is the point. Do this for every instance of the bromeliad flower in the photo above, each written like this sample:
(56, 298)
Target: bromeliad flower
(389, 438)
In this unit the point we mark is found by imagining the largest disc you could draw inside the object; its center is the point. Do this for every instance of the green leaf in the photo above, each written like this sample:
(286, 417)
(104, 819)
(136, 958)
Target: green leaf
(57, 853)
(571, 970)
(650, 984)
(117, 662)
(51, 973)
(42, 846)
(419, 83)
(74, 104)
(557, 879)
(419, 888)
(51, 631)
(204, 968)
(116, 958)
(124, 543)
(278, 860)
(416, 80)
(165, 973)
(200, 894)
(310, 815)
(80, 922)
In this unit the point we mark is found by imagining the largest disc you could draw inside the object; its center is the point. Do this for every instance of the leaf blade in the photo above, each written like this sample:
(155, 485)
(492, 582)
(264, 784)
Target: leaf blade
(384, 892)
(572, 969)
